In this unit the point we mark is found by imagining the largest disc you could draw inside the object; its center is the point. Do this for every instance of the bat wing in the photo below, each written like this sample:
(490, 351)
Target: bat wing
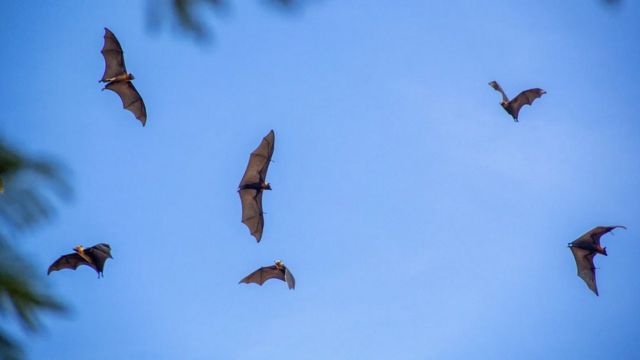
(259, 161)
(524, 98)
(263, 274)
(288, 277)
(252, 215)
(131, 99)
(593, 236)
(69, 261)
(99, 254)
(494, 84)
(586, 269)
(113, 57)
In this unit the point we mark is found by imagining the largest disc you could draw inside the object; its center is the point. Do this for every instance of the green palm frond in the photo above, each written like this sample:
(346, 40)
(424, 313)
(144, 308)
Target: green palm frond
(31, 187)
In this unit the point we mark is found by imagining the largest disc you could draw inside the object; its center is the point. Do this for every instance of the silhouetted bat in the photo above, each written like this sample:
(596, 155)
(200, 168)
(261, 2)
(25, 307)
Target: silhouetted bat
(253, 183)
(585, 248)
(277, 271)
(119, 81)
(94, 257)
(524, 98)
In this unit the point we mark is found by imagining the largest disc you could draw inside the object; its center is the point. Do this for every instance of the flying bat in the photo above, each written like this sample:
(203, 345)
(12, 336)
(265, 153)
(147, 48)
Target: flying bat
(585, 248)
(524, 98)
(278, 271)
(118, 79)
(253, 183)
(94, 257)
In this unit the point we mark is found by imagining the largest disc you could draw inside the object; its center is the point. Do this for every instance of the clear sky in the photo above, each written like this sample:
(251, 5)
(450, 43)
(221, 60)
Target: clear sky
(419, 220)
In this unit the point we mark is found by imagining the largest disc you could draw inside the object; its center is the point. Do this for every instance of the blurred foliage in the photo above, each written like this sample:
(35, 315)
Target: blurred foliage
(187, 13)
(26, 201)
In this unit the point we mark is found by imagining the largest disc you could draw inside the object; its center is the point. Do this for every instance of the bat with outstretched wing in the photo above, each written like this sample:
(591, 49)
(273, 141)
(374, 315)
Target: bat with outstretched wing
(514, 105)
(253, 183)
(585, 248)
(118, 79)
(278, 271)
(94, 257)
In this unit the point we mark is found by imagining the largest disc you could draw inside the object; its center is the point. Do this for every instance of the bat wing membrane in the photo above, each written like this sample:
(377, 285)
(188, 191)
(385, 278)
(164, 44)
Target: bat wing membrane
(113, 56)
(131, 99)
(494, 84)
(525, 98)
(288, 277)
(99, 254)
(252, 215)
(259, 161)
(586, 268)
(69, 261)
(593, 236)
(263, 274)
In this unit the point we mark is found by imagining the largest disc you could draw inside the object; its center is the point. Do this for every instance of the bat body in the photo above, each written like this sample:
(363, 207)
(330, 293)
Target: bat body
(513, 106)
(253, 183)
(584, 249)
(118, 79)
(94, 257)
(278, 271)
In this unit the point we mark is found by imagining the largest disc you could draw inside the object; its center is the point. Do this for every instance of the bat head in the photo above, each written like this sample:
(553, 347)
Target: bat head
(79, 249)
(279, 264)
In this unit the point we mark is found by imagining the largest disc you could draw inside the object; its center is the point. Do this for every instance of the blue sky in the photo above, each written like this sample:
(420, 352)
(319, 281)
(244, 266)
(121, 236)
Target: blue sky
(420, 222)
